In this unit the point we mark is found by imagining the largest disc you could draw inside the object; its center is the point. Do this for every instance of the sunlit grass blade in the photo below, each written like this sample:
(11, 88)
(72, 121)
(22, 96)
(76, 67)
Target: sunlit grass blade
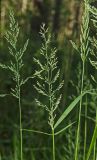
(64, 129)
(68, 110)
(94, 138)
(35, 131)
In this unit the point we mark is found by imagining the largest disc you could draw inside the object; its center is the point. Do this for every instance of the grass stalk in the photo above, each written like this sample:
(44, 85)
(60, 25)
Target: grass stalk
(96, 140)
(93, 11)
(85, 133)
(79, 116)
(21, 134)
(20, 110)
(53, 139)
(84, 50)
(95, 145)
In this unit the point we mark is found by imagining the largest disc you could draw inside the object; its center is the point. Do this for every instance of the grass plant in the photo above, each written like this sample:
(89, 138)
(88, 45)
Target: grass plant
(45, 85)
(84, 51)
(48, 89)
(93, 40)
(15, 67)
(47, 79)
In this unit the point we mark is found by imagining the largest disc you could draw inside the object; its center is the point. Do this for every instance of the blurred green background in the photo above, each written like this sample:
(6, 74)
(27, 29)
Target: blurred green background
(64, 19)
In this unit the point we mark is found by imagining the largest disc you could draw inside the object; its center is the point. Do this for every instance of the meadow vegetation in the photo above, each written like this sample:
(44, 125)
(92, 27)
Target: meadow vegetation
(68, 133)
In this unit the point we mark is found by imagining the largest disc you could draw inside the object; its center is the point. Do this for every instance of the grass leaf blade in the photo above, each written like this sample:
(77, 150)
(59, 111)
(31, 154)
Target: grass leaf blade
(68, 110)
(62, 130)
(94, 137)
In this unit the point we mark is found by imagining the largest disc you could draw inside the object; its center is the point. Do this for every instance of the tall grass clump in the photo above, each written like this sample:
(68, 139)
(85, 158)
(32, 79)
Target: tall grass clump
(48, 88)
(47, 85)
(84, 51)
(48, 75)
(93, 61)
(15, 66)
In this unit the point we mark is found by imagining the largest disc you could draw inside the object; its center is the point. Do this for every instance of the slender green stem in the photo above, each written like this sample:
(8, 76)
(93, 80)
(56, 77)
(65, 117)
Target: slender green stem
(21, 136)
(96, 140)
(94, 152)
(35, 131)
(85, 136)
(53, 139)
(20, 111)
(79, 116)
(95, 145)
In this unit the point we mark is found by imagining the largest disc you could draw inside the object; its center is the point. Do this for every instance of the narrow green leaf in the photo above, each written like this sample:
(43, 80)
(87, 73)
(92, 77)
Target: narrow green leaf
(94, 137)
(62, 130)
(69, 109)
(35, 131)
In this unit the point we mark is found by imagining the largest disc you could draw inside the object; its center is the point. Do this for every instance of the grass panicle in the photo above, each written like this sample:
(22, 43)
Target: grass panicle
(48, 75)
(15, 66)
